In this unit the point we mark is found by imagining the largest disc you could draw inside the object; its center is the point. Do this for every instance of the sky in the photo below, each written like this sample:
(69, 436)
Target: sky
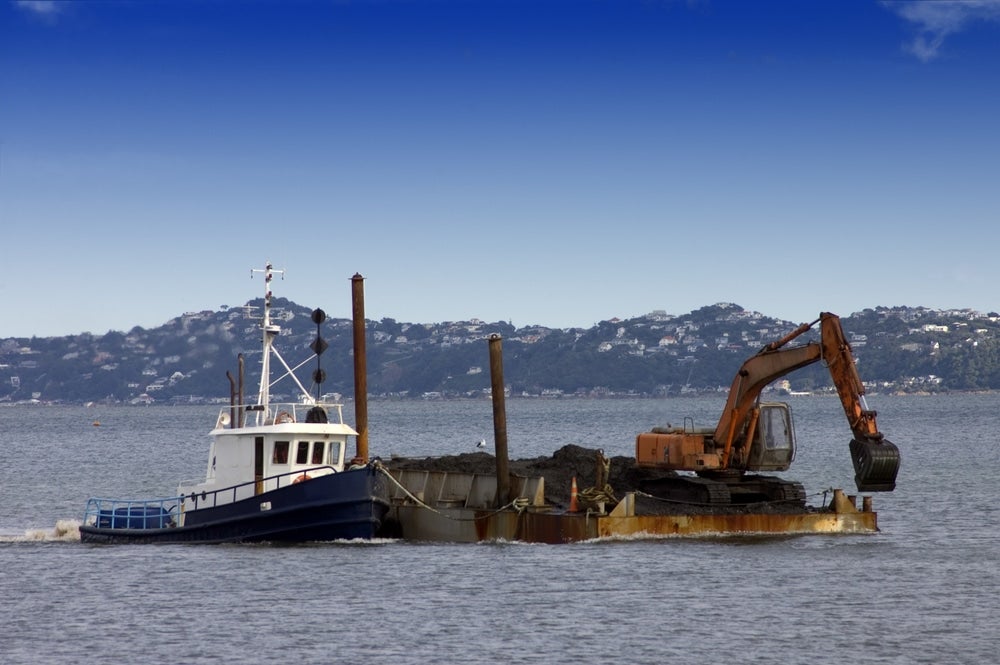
(543, 162)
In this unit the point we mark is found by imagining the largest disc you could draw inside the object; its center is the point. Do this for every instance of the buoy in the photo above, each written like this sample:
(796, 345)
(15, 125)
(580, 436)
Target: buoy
(573, 507)
(97, 423)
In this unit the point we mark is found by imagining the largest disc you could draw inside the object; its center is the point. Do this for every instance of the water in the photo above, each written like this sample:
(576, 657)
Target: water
(923, 590)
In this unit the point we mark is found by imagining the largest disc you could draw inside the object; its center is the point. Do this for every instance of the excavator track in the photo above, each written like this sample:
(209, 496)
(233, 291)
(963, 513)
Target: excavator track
(688, 489)
(784, 491)
(726, 490)
(751, 488)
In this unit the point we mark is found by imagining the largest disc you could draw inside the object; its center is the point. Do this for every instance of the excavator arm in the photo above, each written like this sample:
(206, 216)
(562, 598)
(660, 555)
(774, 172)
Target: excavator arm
(876, 460)
(840, 362)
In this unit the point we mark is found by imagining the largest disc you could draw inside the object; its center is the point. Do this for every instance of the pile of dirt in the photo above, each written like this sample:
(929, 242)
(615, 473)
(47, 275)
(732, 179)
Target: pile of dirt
(558, 470)
(571, 461)
(621, 477)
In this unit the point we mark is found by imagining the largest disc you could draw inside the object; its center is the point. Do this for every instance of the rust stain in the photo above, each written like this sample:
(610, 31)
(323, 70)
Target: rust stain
(701, 525)
(544, 526)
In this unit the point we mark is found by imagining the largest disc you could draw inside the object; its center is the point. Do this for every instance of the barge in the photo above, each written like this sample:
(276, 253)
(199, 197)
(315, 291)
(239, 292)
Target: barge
(683, 481)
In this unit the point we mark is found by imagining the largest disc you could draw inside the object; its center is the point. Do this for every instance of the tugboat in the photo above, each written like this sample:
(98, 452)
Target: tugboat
(276, 472)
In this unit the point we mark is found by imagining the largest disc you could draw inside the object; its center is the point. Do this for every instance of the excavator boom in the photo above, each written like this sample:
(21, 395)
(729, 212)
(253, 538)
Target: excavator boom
(840, 363)
(876, 460)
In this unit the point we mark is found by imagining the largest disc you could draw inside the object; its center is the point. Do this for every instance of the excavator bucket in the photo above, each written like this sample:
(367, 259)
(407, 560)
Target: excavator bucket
(875, 465)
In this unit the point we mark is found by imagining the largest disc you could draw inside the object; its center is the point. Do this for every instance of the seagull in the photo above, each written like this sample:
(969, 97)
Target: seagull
(481, 444)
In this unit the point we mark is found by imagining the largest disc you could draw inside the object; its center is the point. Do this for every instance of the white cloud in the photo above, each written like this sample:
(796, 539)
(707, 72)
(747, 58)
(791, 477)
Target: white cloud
(934, 21)
(40, 7)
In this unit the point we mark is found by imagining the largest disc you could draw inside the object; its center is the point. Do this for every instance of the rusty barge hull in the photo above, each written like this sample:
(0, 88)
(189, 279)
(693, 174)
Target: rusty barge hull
(467, 526)
(569, 528)
(434, 506)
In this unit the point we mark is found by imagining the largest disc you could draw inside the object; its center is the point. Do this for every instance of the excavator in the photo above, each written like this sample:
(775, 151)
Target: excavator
(756, 436)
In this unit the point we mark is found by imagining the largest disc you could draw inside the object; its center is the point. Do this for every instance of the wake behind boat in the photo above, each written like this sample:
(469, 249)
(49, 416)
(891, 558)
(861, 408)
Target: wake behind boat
(276, 472)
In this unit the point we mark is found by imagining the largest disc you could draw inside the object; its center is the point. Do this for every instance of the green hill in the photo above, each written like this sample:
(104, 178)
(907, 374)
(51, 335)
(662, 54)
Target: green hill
(186, 359)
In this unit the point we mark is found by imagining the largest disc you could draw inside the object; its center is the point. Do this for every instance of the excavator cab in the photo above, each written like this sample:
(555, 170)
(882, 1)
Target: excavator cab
(773, 446)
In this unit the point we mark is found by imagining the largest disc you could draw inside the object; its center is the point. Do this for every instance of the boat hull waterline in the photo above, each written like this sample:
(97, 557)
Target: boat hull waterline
(342, 506)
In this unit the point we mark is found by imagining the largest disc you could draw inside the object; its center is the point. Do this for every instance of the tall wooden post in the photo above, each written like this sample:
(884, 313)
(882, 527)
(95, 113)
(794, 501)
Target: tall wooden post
(499, 421)
(360, 367)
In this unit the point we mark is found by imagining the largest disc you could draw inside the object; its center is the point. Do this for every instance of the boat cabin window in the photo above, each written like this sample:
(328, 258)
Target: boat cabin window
(302, 454)
(280, 455)
(319, 452)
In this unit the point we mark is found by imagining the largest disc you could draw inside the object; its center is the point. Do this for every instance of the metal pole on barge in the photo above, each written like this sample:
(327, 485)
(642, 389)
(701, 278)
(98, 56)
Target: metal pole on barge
(499, 420)
(360, 367)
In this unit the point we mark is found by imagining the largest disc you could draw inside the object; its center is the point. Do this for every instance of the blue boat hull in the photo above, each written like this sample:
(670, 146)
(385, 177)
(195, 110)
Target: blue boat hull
(341, 506)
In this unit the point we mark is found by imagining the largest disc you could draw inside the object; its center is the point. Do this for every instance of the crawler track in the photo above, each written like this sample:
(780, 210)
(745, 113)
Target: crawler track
(726, 491)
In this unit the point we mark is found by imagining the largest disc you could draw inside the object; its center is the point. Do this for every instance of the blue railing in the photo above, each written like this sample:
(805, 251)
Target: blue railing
(165, 513)
(132, 514)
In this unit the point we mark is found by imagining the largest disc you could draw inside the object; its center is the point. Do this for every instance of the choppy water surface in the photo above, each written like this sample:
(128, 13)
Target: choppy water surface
(924, 590)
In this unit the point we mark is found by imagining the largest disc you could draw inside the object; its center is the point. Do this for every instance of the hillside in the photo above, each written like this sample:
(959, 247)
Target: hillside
(186, 359)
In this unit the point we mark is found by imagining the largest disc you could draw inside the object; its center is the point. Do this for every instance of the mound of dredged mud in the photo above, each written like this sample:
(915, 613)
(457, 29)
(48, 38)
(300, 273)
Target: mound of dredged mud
(623, 476)
(558, 470)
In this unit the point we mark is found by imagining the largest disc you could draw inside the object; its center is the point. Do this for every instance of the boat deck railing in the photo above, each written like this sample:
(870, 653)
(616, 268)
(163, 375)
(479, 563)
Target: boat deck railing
(105, 513)
(283, 412)
(234, 493)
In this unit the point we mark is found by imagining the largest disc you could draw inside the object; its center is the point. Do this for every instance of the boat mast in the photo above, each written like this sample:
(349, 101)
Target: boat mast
(268, 332)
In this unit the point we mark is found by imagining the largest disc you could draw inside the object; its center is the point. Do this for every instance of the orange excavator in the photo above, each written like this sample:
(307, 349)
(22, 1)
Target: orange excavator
(757, 436)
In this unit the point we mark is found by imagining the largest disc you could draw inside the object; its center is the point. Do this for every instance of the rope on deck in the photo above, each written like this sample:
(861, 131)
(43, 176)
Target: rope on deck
(519, 504)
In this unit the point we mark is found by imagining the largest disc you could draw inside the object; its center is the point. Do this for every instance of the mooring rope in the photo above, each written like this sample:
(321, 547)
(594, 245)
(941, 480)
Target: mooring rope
(519, 504)
(593, 496)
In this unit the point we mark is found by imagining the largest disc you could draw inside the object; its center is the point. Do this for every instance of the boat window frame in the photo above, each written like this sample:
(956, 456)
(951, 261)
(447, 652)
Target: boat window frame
(336, 454)
(302, 452)
(319, 446)
(275, 459)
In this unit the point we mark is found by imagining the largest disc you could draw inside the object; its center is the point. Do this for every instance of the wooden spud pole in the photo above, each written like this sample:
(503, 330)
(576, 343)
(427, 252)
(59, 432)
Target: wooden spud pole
(499, 420)
(360, 368)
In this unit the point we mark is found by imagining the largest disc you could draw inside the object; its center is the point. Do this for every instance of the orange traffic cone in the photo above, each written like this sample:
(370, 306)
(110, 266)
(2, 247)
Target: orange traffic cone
(573, 507)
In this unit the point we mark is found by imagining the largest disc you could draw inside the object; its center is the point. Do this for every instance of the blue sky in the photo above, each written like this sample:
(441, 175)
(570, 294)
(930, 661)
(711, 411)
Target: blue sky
(546, 162)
